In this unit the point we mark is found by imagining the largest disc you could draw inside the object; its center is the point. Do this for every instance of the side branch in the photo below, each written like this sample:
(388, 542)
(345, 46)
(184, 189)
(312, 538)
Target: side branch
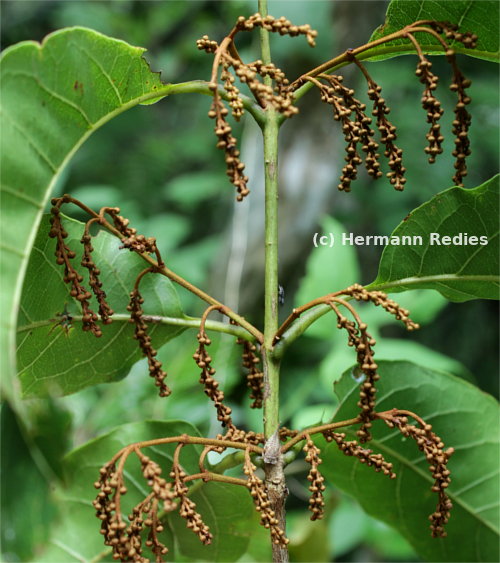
(157, 266)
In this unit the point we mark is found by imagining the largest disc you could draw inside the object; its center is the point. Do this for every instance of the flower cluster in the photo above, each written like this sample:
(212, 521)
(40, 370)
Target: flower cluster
(211, 385)
(387, 131)
(187, 508)
(262, 503)
(430, 103)
(356, 124)
(95, 283)
(379, 298)
(316, 480)
(255, 376)
(126, 539)
(462, 119)
(360, 339)
(227, 143)
(356, 127)
(144, 339)
(64, 255)
(433, 448)
(277, 95)
(281, 25)
(364, 455)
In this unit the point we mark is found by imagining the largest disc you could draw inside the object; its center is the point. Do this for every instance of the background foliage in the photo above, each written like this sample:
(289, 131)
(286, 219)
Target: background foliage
(167, 151)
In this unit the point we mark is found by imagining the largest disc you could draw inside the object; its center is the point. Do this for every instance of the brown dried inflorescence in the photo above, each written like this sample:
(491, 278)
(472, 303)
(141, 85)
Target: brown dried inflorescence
(282, 25)
(187, 508)
(144, 339)
(355, 123)
(276, 94)
(126, 539)
(387, 131)
(262, 503)
(364, 455)
(255, 376)
(95, 283)
(211, 385)
(64, 255)
(433, 448)
(361, 340)
(316, 480)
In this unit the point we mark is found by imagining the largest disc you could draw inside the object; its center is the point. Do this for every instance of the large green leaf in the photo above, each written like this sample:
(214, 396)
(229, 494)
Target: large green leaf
(466, 419)
(54, 96)
(54, 361)
(226, 509)
(458, 270)
(478, 16)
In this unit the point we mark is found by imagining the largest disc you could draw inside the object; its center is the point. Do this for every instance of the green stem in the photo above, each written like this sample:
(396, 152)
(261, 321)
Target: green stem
(270, 133)
(271, 400)
(273, 458)
(201, 87)
(298, 327)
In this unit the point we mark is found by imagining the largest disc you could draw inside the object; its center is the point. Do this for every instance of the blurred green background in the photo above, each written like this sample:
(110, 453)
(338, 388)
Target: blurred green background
(159, 164)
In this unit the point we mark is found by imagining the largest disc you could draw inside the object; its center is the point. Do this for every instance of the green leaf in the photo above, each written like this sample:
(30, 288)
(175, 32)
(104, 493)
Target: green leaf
(228, 510)
(54, 96)
(458, 270)
(309, 541)
(320, 280)
(478, 16)
(55, 361)
(467, 420)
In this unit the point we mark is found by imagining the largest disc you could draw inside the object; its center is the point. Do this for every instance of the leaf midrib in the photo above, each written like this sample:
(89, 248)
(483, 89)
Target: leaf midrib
(413, 280)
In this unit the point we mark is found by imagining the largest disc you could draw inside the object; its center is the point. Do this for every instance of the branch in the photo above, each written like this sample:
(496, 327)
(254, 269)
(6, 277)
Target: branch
(160, 268)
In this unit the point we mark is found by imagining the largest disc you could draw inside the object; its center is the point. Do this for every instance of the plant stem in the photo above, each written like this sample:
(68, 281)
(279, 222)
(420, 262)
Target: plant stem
(273, 459)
